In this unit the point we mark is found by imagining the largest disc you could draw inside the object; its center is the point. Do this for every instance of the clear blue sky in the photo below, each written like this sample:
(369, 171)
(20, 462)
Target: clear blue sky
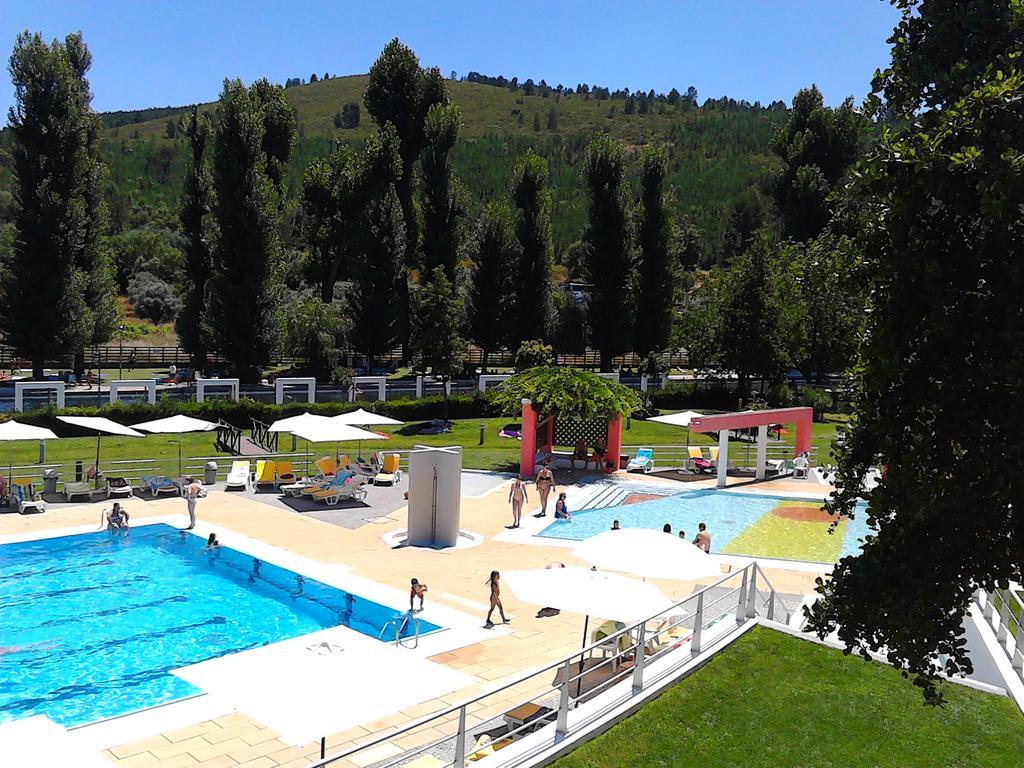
(172, 52)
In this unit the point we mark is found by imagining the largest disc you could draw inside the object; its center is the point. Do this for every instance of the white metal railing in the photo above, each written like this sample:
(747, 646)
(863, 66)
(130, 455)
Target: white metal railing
(1004, 612)
(677, 633)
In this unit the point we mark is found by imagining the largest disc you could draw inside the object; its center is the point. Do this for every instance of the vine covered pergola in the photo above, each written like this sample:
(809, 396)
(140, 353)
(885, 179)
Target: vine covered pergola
(562, 406)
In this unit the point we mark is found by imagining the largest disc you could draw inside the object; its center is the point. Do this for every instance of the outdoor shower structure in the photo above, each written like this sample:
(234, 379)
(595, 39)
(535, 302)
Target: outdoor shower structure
(435, 494)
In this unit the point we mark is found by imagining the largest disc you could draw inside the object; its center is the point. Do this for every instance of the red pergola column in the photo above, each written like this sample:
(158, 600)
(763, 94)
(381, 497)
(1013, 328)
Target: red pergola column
(614, 443)
(528, 447)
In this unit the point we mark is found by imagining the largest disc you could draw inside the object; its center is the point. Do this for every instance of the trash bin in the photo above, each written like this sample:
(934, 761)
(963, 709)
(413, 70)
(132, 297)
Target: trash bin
(210, 473)
(50, 478)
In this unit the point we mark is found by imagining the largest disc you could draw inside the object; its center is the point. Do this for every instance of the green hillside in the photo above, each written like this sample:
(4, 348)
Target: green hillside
(714, 153)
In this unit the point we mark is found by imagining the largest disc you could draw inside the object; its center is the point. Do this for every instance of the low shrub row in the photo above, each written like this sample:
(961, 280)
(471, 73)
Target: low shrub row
(242, 413)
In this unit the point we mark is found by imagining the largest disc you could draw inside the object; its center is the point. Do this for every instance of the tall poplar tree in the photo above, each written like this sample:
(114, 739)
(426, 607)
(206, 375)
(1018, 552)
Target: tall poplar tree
(376, 280)
(608, 256)
(441, 196)
(57, 267)
(253, 139)
(401, 92)
(531, 196)
(194, 216)
(654, 279)
(493, 252)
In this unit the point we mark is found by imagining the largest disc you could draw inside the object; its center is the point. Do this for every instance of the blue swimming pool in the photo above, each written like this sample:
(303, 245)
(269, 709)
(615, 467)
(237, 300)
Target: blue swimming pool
(92, 625)
(757, 525)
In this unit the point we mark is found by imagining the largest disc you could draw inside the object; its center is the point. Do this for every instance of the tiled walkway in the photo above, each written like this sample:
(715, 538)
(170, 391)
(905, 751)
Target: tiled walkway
(456, 579)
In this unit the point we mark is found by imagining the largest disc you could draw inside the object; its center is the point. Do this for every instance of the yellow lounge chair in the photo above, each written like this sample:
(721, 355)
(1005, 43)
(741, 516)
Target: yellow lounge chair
(265, 473)
(389, 473)
(485, 746)
(283, 473)
(327, 465)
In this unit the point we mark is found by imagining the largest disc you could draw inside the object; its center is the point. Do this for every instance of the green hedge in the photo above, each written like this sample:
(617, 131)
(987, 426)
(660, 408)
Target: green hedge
(240, 414)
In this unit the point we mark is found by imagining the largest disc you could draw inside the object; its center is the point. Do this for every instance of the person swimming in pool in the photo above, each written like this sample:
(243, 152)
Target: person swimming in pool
(114, 519)
(212, 542)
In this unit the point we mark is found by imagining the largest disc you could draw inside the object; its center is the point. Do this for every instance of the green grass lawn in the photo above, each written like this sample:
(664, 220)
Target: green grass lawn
(495, 452)
(774, 700)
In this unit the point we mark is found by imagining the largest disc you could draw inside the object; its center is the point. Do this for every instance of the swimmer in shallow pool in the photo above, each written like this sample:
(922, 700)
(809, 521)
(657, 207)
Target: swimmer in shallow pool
(115, 519)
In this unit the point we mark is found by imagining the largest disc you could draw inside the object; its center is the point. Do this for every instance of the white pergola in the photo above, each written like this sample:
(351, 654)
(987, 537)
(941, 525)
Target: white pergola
(21, 387)
(485, 379)
(136, 384)
(302, 381)
(203, 384)
(380, 381)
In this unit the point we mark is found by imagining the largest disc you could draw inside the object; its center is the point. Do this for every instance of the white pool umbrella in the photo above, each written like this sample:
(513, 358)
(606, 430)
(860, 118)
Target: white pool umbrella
(101, 426)
(12, 431)
(361, 418)
(598, 593)
(176, 425)
(648, 553)
(334, 432)
(292, 423)
(681, 419)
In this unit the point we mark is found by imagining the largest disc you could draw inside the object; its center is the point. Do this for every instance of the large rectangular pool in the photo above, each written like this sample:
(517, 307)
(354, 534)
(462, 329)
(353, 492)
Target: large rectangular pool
(92, 625)
(756, 525)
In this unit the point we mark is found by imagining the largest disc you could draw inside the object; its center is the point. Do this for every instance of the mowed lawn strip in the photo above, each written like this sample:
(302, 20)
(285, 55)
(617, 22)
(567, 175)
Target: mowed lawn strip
(774, 700)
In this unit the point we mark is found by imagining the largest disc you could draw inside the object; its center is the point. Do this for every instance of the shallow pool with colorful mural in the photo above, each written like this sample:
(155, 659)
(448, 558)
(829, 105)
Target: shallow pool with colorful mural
(756, 525)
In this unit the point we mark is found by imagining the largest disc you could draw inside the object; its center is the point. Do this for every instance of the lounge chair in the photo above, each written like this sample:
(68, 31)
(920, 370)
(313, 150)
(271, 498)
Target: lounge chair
(389, 473)
(284, 474)
(487, 745)
(238, 476)
(119, 486)
(265, 474)
(72, 489)
(369, 468)
(158, 484)
(24, 495)
(328, 466)
(642, 462)
(323, 484)
(697, 461)
(528, 713)
(353, 487)
(714, 456)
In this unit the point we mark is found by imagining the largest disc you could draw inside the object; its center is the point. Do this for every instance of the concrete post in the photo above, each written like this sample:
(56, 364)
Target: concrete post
(762, 451)
(419, 387)
(723, 457)
(643, 382)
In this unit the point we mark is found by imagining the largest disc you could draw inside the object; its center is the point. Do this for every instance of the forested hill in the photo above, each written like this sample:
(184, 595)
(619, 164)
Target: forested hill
(716, 151)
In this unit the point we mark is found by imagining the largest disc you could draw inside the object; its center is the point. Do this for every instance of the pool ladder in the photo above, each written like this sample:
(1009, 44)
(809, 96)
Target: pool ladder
(400, 623)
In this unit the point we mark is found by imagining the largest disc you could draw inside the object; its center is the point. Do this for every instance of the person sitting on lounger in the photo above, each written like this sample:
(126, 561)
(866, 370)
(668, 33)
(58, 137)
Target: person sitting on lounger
(416, 590)
(115, 519)
(580, 452)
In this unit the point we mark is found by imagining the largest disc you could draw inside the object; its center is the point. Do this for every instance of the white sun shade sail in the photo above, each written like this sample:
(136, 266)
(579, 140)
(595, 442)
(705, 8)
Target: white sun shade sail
(333, 432)
(648, 553)
(681, 419)
(101, 425)
(362, 418)
(12, 430)
(176, 425)
(591, 593)
(292, 423)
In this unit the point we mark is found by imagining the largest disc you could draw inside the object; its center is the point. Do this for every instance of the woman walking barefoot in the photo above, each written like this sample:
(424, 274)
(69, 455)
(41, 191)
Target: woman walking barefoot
(494, 583)
(545, 484)
(517, 496)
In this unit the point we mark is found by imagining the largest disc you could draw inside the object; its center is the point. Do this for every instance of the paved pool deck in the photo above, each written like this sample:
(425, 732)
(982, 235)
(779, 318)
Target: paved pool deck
(218, 739)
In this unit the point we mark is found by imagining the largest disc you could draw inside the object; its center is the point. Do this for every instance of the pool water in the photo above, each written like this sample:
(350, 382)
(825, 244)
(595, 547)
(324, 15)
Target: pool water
(92, 625)
(757, 525)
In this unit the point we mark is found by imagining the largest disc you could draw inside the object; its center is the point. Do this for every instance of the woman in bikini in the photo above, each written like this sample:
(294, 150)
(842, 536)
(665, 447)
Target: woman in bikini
(494, 582)
(517, 495)
(545, 485)
(115, 519)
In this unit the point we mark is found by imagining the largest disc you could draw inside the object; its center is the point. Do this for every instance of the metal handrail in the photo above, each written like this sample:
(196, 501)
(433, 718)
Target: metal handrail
(400, 623)
(746, 608)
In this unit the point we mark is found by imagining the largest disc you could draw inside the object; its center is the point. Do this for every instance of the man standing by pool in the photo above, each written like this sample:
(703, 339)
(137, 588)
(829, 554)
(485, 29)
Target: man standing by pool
(703, 538)
(192, 491)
